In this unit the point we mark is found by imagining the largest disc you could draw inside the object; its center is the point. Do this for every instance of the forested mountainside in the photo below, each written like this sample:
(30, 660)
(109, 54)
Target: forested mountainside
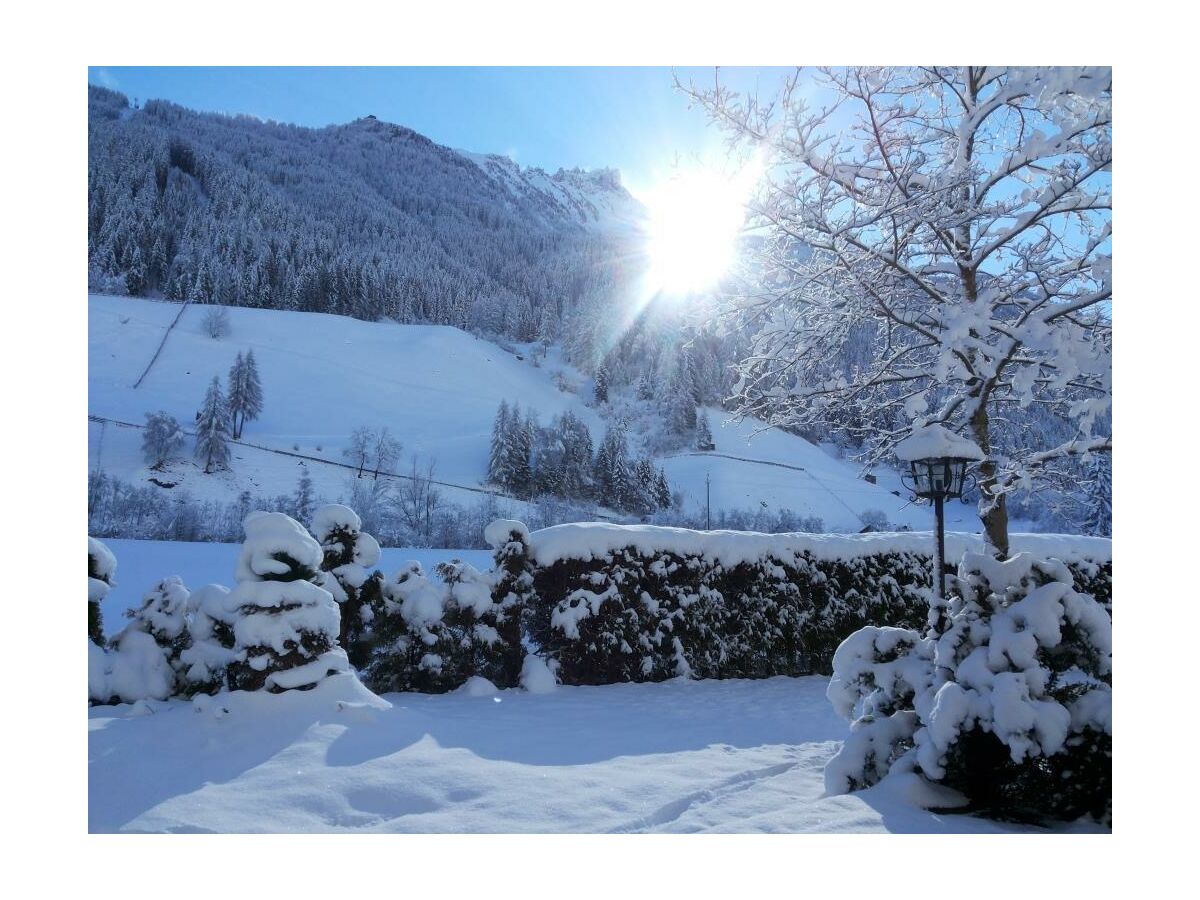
(367, 219)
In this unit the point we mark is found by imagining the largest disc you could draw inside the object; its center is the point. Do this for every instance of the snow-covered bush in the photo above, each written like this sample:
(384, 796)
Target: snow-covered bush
(348, 553)
(216, 322)
(102, 566)
(1006, 698)
(163, 615)
(205, 663)
(287, 626)
(434, 635)
(141, 662)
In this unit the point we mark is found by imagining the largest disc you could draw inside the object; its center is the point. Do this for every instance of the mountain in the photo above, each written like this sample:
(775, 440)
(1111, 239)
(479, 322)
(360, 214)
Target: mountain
(367, 219)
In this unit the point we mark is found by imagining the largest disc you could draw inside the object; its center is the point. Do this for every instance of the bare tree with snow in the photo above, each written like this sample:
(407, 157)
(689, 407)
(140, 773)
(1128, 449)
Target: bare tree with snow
(362, 442)
(960, 220)
(386, 450)
(161, 439)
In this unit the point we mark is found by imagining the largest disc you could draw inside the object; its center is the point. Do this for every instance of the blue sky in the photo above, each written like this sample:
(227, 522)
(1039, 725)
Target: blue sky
(631, 119)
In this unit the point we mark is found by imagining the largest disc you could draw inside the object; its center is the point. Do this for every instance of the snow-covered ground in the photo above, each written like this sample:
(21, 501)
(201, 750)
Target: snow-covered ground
(437, 389)
(142, 564)
(677, 756)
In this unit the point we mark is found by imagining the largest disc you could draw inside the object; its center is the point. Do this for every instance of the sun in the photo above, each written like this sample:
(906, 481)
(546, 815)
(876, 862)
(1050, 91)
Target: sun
(695, 219)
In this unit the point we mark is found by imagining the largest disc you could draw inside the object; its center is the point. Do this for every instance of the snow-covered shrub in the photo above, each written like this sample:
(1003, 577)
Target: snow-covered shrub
(348, 552)
(1005, 699)
(164, 616)
(537, 676)
(141, 662)
(102, 566)
(205, 663)
(433, 635)
(287, 626)
(405, 632)
(216, 322)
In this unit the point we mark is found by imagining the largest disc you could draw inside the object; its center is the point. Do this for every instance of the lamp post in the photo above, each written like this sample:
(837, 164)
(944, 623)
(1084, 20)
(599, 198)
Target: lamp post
(938, 460)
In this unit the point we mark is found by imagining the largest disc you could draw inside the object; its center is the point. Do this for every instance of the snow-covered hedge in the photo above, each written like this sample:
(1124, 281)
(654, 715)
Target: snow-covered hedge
(595, 603)
(613, 603)
(1006, 699)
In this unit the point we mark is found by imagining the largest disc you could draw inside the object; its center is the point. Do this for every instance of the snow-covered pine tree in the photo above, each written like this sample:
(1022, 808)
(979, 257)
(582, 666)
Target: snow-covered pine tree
(612, 470)
(704, 438)
(205, 664)
(302, 501)
(235, 393)
(161, 438)
(1097, 500)
(961, 221)
(147, 653)
(102, 566)
(600, 389)
(348, 554)
(212, 429)
(681, 402)
(643, 498)
(252, 400)
(645, 387)
(577, 452)
(524, 436)
(516, 465)
(662, 490)
(498, 454)
(287, 627)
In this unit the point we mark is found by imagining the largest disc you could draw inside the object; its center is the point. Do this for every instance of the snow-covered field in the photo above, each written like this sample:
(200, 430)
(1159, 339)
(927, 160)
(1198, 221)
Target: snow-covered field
(142, 564)
(437, 389)
(678, 756)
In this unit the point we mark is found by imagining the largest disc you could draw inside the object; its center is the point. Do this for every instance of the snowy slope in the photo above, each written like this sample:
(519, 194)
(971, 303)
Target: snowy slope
(678, 756)
(437, 389)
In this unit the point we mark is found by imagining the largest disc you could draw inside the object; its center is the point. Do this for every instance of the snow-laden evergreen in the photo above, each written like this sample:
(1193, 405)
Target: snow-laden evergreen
(244, 395)
(287, 627)
(349, 554)
(1007, 699)
(212, 429)
(205, 663)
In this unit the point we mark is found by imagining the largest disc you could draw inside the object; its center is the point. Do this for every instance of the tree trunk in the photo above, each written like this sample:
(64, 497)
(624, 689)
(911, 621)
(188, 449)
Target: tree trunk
(993, 511)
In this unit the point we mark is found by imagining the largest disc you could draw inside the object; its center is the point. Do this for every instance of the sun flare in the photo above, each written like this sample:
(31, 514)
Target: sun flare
(695, 219)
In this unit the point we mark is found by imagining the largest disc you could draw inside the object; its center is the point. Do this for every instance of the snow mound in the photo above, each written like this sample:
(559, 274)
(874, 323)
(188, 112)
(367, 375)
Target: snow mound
(477, 686)
(536, 676)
